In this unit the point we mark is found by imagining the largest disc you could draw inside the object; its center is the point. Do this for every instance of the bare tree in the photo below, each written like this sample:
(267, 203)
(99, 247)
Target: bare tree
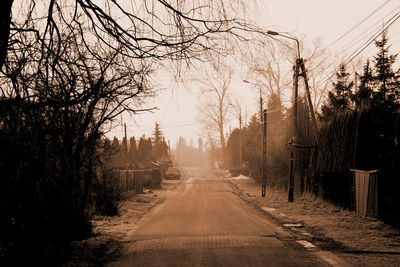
(67, 69)
(318, 63)
(214, 107)
(271, 62)
(156, 29)
(269, 66)
(56, 95)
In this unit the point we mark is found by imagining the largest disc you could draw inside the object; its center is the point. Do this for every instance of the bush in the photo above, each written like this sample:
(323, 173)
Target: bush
(108, 194)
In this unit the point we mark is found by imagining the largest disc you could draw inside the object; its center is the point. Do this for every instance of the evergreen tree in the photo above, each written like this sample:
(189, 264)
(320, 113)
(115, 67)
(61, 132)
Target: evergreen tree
(142, 150)
(149, 150)
(107, 153)
(362, 98)
(157, 134)
(275, 109)
(132, 154)
(107, 148)
(124, 145)
(339, 99)
(277, 137)
(252, 147)
(160, 148)
(232, 148)
(115, 145)
(386, 82)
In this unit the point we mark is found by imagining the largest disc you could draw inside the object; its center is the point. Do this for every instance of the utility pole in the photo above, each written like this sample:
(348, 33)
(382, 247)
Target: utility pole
(291, 177)
(261, 107)
(299, 70)
(303, 73)
(240, 140)
(295, 97)
(126, 139)
(355, 82)
(264, 163)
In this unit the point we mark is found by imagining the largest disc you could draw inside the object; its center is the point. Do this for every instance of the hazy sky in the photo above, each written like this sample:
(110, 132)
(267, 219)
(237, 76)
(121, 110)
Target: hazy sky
(329, 20)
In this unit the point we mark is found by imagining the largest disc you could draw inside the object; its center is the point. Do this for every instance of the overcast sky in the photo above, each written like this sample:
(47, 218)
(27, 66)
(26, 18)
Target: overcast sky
(329, 20)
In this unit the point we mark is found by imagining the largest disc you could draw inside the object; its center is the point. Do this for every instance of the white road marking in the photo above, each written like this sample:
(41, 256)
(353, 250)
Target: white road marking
(268, 209)
(306, 234)
(293, 225)
(305, 244)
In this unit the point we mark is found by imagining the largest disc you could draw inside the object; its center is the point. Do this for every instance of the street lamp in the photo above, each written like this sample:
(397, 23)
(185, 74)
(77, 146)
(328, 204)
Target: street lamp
(263, 121)
(289, 37)
(299, 70)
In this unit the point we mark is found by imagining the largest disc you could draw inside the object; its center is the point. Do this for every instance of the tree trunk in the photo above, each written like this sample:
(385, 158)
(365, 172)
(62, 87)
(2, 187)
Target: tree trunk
(5, 21)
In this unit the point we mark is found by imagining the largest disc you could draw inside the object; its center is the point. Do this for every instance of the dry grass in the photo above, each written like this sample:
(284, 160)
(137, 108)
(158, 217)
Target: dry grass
(361, 241)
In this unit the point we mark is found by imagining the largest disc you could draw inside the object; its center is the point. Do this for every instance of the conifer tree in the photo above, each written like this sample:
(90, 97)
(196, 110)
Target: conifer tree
(132, 154)
(124, 145)
(149, 150)
(340, 98)
(115, 145)
(362, 98)
(142, 149)
(386, 97)
(160, 148)
(157, 134)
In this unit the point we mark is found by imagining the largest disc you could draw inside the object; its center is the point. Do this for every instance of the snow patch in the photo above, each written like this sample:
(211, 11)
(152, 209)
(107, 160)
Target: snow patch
(268, 209)
(293, 225)
(305, 244)
(240, 177)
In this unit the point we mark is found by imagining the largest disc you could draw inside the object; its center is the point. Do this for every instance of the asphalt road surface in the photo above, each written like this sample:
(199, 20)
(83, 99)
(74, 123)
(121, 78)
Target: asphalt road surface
(202, 223)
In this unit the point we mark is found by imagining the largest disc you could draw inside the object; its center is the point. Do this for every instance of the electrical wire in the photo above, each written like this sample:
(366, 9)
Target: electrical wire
(359, 23)
(359, 50)
(363, 35)
(367, 32)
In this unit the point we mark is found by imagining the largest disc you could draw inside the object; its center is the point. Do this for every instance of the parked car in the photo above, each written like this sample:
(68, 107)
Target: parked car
(172, 173)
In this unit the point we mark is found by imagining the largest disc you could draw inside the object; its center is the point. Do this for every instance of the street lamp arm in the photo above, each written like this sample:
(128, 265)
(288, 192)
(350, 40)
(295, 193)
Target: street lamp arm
(289, 37)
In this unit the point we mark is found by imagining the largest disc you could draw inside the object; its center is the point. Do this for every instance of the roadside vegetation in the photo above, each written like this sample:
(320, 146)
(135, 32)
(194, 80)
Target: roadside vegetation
(358, 129)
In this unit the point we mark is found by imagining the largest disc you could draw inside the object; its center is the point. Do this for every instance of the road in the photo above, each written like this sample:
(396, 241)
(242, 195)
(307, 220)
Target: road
(203, 223)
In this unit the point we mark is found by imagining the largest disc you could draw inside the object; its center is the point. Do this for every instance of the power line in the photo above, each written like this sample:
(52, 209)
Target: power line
(359, 50)
(358, 24)
(363, 35)
(373, 38)
(367, 32)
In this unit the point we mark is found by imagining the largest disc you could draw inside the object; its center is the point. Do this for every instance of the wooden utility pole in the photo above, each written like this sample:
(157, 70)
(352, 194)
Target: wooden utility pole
(300, 70)
(261, 107)
(264, 163)
(126, 139)
(291, 177)
(295, 97)
(310, 105)
(240, 140)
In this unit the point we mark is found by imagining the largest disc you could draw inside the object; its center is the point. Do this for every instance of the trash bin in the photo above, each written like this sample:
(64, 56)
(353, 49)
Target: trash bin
(366, 192)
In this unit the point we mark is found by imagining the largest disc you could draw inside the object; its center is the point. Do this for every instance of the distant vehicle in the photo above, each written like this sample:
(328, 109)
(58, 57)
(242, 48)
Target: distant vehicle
(172, 173)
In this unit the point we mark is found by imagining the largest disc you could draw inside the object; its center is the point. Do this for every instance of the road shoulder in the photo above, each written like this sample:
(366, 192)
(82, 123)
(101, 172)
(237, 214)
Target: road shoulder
(106, 243)
(337, 234)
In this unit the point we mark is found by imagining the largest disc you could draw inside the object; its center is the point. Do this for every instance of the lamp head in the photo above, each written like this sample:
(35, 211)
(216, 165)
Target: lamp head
(272, 33)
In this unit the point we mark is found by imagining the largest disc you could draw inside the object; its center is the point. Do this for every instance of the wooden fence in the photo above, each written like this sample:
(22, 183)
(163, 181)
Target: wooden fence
(366, 192)
(128, 180)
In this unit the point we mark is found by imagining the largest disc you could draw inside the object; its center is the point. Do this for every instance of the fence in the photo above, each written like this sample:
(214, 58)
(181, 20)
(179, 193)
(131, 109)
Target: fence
(128, 180)
(366, 192)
